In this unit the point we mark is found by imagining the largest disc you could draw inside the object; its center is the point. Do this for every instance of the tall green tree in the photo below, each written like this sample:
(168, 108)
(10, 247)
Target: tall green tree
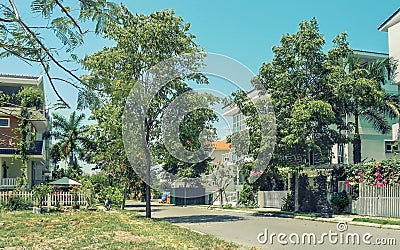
(70, 134)
(302, 93)
(141, 42)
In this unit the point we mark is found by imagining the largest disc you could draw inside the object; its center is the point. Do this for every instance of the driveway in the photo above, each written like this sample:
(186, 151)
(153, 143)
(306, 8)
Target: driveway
(255, 230)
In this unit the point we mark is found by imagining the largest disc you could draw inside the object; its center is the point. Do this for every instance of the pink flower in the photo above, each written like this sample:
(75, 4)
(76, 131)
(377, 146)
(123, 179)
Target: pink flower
(348, 184)
(361, 174)
(362, 179)
(255, 173)
(380, 184)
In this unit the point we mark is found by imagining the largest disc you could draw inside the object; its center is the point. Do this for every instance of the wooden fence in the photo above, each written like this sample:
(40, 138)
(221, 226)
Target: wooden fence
(378, 201)
(273, 199)
(54, 199)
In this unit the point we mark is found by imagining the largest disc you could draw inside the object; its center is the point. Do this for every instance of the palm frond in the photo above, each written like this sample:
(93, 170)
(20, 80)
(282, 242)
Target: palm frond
(377, 119)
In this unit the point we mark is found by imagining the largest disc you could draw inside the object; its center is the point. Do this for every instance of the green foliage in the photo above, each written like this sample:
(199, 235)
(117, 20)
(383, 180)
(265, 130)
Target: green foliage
(247, 196)
(361, 95)
(70, 135)
(311, 198)
(30, 100)
(376, 173)
(30, 97)
(40, 192)
(26, 39)
(340, 201)
(141, 42)
(288, 203)
(114, 193)
(298, 83)
(15, 202)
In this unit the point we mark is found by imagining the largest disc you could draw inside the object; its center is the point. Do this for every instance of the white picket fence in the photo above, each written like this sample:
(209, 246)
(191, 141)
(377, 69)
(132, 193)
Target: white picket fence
(54, 199)
(378, 201)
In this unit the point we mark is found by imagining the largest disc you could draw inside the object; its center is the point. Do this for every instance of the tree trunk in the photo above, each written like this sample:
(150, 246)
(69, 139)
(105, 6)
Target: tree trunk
(356, 142)
(124, 196)
(147, 181)
(296, 192)
(221, 200)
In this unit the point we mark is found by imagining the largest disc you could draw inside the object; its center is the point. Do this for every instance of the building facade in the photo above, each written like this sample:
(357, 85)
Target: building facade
(11, 167)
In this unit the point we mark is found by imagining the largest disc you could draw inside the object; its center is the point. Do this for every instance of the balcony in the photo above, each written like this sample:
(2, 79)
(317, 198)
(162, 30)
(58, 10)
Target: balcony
(36, 149)
(8, 182)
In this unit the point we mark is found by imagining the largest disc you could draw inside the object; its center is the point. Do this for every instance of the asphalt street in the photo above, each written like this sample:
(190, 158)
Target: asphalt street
(263, 232)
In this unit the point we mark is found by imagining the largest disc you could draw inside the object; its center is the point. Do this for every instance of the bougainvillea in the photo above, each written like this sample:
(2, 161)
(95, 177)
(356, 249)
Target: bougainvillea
(375, 173)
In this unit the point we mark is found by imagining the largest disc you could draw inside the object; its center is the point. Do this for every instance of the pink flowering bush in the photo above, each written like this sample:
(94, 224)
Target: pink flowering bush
(375, 173)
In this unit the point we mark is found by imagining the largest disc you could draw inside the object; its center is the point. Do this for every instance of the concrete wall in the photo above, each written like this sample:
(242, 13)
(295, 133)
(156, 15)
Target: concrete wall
(218, 155)
(394, 46)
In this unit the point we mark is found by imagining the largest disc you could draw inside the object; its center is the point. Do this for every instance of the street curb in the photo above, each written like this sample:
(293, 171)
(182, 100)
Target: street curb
(331, 220)
(195, 231)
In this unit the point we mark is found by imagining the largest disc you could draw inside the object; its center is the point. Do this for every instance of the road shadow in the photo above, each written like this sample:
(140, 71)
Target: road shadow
(202, 218)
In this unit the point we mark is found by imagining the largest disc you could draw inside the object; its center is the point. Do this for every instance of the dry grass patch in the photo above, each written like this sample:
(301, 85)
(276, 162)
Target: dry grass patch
(98, 230)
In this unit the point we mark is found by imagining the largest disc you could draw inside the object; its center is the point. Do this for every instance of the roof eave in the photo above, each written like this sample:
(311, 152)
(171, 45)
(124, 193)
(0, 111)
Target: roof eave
(386, 24)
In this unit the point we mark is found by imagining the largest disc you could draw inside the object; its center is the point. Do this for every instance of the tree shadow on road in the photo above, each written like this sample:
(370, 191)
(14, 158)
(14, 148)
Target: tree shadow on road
(202, 218)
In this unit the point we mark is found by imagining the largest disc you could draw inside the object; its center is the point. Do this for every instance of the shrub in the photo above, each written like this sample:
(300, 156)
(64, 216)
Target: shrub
(288, 203)
(40, 192)
(247, 196)
(114, 193)
(340, 201)
(14, 203)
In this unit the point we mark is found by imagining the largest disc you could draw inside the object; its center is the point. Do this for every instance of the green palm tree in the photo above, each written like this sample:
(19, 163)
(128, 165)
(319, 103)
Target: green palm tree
(363, 96)
(69, 133)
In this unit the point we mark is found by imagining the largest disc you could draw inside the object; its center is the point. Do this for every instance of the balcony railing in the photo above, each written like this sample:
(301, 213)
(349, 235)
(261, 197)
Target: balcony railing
(9, 181)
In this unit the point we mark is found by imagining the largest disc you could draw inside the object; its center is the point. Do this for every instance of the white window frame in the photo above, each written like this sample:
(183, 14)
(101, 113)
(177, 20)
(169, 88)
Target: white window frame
(5, 118)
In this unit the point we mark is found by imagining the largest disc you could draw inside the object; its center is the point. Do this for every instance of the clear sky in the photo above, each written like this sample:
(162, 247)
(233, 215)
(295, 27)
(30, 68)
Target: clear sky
(246, 30)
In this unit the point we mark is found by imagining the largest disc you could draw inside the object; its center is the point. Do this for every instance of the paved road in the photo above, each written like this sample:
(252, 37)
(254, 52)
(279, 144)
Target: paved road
(244, 229)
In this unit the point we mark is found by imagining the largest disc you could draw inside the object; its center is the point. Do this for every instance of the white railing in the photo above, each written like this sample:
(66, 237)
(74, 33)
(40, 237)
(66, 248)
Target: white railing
(379, 201)
(8, 181)
(273, 199)
(54, 199)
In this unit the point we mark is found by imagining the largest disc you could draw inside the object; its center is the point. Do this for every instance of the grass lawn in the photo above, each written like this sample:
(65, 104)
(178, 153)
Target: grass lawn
(98, 230)
(383, 221)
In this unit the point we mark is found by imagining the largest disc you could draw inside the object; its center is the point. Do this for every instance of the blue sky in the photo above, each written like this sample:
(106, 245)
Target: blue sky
(246, 31)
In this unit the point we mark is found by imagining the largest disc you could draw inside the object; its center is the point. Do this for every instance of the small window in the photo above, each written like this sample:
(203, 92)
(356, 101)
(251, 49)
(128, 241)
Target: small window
(4, 122)
(391, 146)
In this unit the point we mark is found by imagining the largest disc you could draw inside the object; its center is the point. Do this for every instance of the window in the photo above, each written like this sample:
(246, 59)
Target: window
(4, 122)
(391, 146)
(341, 153)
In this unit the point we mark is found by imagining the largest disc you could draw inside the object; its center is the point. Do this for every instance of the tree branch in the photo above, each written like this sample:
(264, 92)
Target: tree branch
(70, 17)
(52, 85)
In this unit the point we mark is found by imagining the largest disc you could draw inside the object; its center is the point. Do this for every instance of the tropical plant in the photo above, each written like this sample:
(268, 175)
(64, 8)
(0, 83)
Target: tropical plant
(70, 134)
(362, 96)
